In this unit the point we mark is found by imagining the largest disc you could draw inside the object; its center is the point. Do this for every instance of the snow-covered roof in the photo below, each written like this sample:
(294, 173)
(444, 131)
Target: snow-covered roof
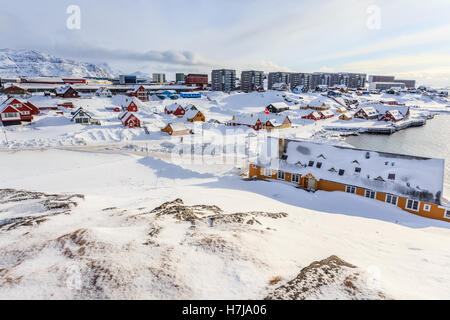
(370, 111)
(126, 100)
(396, 114)
(173, 107)
(279, 105)
(62, 90)
(7, 102)
(327, 113)
(409, 176)
(246, 119)
(191, 113)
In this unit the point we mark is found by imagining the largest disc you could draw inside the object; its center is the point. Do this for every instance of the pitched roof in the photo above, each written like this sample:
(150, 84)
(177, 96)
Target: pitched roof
(173, 107)
(178, 126)
(279, 105)
(370, 111)
(395, 114)
(415, 177)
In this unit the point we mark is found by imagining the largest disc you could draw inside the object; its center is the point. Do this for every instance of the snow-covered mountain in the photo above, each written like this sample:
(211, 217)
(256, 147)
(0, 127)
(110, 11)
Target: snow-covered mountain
(33, 63)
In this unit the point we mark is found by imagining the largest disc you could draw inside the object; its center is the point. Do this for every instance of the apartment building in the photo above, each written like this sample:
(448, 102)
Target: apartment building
(179, 77)
(159, 77)
(300, 79)
(223, 80)
(278, 77)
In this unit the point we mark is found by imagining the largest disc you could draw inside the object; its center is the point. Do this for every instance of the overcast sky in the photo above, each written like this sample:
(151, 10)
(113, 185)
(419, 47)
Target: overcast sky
(405, 38)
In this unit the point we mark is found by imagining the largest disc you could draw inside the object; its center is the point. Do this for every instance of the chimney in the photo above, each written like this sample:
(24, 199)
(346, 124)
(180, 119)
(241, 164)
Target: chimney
(251, 115)
(234, 118)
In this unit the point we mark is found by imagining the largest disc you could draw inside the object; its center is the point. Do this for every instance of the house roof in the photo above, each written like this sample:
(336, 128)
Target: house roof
(173, 107)
(62, 90)
(81, 113)
(279, 105)
(246, 119)
(370, 111)
(191, 113)
(327, 113)
(415, 177)
(396, 114)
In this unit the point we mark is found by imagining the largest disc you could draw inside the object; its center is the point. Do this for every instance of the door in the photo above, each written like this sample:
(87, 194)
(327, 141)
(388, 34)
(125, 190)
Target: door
(311, 184)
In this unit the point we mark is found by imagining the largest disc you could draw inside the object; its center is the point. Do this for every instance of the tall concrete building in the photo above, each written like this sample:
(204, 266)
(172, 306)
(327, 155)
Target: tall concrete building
(159, 77)
(251, 80)
(391, 79)
(330, 79)
(223, 80)
(179, 77)
(300, 79)
(278, 77)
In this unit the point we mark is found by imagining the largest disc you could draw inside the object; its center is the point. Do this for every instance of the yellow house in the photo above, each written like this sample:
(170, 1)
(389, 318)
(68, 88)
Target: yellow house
(346, 116)
(195, 115)
(414, 184)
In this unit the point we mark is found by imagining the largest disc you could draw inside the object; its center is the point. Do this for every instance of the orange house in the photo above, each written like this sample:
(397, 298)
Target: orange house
(414, 184)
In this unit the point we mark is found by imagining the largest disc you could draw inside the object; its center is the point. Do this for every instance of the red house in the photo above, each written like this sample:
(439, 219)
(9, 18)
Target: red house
(245, 120)
(139, 92)
(130, 105)
(175, 109)
(33, 109)
(129, 120)
(10, 116)
(66, 105)
(313, 116)
(326, 114)
(393, 116)
(367, 113)
(66, 92)
(13, 112)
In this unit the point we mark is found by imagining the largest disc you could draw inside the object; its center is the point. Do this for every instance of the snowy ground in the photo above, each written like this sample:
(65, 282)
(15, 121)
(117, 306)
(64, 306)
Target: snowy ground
(113, 246)
(85, 225)
(51, 129)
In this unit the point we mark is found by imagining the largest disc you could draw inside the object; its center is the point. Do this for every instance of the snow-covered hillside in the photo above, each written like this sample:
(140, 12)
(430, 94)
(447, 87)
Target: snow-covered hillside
(32, 63)
(86, 225)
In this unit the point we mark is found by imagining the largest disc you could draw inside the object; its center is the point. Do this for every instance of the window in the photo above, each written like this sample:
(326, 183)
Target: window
(370, 194)
(281, 175)
(341, 172)
(391, 176)
(447, 214)
(350, 189)
(319, 165)
(296, 178)
(267, 172)
(412, 205)
(358, 170)
(391, 199)
(427, 207)
(311, 163)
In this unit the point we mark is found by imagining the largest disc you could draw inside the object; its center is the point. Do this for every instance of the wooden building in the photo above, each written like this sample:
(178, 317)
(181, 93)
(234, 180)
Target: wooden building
(277, 107)
(414, 184)
(66, 92)
(130, 120)
(366, 113)
(175, 109)
(392, 116)
(176, 129)
(81, 116)
(139, 92)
